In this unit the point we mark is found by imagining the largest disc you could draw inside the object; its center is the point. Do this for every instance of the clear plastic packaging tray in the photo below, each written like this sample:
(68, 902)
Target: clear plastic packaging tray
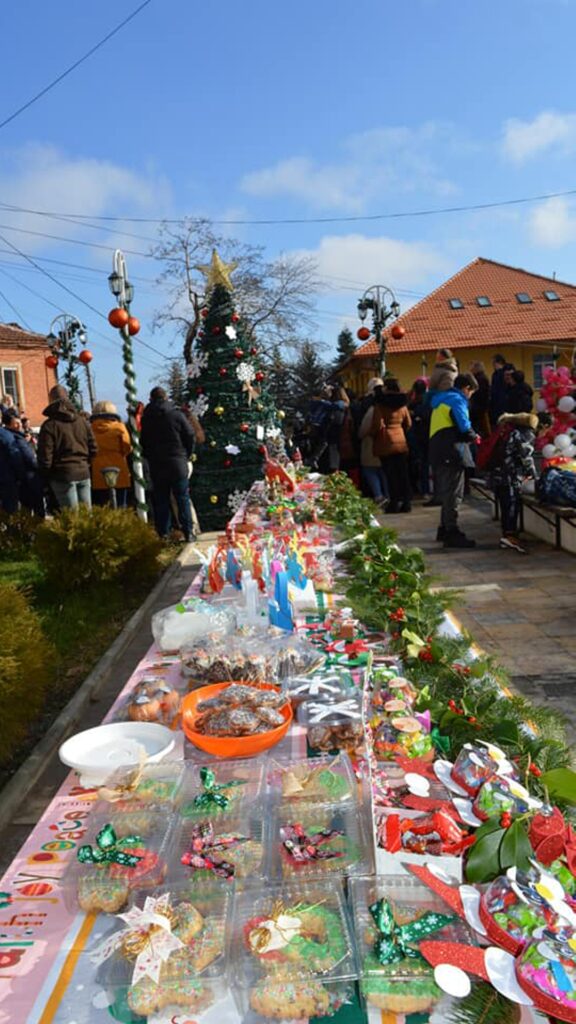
(406, 986)
(190, 978)
(290, 950)
(156, 697)
(333, 725)
(335, 684)
(221, 790)
(156, 785)
(312, 780)
(103, 875)
(300, 837)
(210, 852)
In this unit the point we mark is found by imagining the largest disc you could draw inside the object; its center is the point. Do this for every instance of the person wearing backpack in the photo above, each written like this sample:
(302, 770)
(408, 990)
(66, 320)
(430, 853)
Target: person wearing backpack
(450, 436)
(512, 465)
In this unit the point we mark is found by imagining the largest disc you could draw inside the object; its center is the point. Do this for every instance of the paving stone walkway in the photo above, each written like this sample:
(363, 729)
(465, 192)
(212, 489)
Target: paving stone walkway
(519, 608)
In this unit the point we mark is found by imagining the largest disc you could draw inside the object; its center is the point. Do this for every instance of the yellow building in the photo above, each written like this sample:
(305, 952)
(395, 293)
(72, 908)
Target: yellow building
(486, 309)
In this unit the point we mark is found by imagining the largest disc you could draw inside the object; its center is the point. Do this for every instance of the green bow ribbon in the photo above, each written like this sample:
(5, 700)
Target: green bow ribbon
(213, 791)
(109, 849)
(441, 743)
(395, 941)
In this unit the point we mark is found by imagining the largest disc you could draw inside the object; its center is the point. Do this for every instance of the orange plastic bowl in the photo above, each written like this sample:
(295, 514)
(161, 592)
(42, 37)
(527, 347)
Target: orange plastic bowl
(230, 746)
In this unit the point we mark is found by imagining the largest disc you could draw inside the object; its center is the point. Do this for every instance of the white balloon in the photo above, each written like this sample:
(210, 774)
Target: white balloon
(570, 451)
(541, 405)
(566, 404)
(549, 451)
(562, 441)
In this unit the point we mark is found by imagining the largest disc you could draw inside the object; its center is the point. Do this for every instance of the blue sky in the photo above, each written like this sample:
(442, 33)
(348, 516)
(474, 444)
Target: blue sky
(312, 109)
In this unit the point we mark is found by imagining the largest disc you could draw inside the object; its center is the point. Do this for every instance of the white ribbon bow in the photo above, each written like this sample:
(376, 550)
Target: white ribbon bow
(160, 945)
(345, 708)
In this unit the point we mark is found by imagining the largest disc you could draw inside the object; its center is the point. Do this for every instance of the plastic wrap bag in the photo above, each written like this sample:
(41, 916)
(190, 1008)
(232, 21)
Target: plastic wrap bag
(189, 620)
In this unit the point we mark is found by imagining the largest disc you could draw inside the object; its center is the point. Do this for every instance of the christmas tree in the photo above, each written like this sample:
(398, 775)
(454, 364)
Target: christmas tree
(227, 391)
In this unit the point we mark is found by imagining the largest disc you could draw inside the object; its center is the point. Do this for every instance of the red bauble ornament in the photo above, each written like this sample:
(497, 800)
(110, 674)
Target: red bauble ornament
(244, 427)
(253, 351)
(118, 317)
(238, 352)
(51, 362)
(133, 325)
(363, 333)
(85, 357)
(235, 318)
(397, 331)
(259, 375)
(199, 391)
(223, 371)
(262, 449)
(204, 312)
(215, 329)
(227, 463)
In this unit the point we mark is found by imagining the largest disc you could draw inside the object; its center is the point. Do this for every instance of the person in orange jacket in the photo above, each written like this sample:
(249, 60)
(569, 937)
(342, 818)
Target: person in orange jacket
(114, 446)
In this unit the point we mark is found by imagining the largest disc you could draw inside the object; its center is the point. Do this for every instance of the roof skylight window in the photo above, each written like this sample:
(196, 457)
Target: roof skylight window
(483, 300)
(523, 298)
(552, 296)
(455, 303)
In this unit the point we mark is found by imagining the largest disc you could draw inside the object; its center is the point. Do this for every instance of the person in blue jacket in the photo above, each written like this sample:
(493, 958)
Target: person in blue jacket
(450, 434)
(11, 471)
(30, 488)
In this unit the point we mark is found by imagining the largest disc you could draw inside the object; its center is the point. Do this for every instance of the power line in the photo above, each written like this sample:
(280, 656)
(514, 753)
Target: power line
(14, 310)
(305, 220)
(75, 65)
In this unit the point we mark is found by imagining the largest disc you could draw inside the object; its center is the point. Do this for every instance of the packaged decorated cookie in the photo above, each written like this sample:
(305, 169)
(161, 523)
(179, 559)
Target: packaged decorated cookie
(333, 725)
(290, 949)
(150, 785)
(228, 849)
(392, 915)
(315, 840)
(322, 779)
(166, 953)
(153, 699)
(120, 853)
(222, 789)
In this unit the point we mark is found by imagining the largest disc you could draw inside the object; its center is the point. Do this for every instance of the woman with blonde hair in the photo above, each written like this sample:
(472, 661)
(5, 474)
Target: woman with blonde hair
(114, 446)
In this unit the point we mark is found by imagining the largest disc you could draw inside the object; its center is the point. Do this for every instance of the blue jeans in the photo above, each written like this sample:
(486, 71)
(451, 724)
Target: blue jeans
(162, 513)
(375, 478)
(71, 493)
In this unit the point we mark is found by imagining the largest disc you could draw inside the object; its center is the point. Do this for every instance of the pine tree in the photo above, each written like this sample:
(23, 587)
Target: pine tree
(345, 346)
(308, 374)
(226, 391)
(280, 383)
(175, 382)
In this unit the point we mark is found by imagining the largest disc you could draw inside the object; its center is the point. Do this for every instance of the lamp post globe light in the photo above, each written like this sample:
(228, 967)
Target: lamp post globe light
(381, 302)
(66, 331)
(120, 317)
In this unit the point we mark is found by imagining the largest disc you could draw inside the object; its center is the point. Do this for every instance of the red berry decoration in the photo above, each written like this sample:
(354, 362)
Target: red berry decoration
(397, 331)
(227, 463)
(51, 362)
(199, 391)
(238, 352)
(244, 427)
(204, 312)
(223, 371)
(363, 334)
(253, 351)
(85, 357)
(133, 325)
(262, 449)
(535, 770)
(259, 376)
(118, 317)
(235, 318)
(506, 819)
(215, 329)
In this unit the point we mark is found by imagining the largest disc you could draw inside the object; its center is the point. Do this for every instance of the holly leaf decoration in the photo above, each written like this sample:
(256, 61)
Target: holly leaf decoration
(505, 731)
(515, 848)
(483, 860)
(561, 784)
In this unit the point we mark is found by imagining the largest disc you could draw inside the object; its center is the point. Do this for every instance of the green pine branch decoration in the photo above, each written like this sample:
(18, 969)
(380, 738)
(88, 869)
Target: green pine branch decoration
(484, 1005)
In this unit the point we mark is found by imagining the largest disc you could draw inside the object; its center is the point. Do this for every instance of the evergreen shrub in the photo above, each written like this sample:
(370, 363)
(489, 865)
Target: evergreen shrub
(17, 533)
(84, 547)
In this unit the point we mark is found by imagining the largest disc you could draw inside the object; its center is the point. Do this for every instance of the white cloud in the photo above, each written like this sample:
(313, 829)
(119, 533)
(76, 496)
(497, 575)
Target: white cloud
(553, 223)
(376, 260)
(374, 163)
(41, 177)
(524, 140)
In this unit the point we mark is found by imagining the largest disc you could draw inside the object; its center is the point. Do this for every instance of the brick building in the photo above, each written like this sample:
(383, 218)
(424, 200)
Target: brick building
(23, 371)
(484, 309)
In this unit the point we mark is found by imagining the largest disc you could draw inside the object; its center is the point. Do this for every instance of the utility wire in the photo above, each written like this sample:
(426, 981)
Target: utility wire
(14, 310)
(73, 66)
(307, 220)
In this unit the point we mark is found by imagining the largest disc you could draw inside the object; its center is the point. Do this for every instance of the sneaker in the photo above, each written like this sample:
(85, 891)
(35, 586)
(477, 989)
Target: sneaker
(440, 533)
(509, 540)
(458, 540)
(382, 502)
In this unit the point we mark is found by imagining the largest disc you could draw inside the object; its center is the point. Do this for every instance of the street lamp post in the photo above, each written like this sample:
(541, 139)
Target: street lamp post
(381, 301)
(123, 292)
(65, 332)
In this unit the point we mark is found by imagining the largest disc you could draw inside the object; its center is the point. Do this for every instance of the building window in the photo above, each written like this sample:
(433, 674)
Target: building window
(455, 303)
(483, 300)
(523, 298)
(552, 296)
(539, 364)
(9, 382)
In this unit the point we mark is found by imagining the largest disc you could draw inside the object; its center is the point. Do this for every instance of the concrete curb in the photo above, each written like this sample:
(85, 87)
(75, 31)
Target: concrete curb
(16, 791)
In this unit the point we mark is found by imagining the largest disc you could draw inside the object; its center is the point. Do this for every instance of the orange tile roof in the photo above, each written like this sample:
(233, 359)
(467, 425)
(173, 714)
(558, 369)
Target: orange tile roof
(14, 336)
(432, 324)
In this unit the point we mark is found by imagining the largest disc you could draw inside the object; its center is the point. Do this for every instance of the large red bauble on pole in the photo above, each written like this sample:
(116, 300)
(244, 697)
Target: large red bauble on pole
(51, 362)
(133, 325)
(363, 333)
(85, 357)
(397, 331)
(118, 317)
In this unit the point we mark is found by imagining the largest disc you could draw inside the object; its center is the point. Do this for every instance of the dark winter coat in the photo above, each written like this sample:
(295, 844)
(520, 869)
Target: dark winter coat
(390, 423)
(480, 405)
(167, 441)
(517, 461)
(498, 393)
(12, 468)
(519, 398)
(66, 443)
(418, 433)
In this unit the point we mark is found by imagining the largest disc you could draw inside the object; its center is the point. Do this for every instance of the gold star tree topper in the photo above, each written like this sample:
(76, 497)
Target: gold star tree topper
(217, 272)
